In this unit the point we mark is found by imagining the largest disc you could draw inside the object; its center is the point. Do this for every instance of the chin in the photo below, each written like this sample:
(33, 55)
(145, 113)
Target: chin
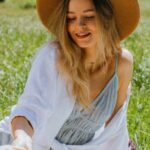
(87, 45)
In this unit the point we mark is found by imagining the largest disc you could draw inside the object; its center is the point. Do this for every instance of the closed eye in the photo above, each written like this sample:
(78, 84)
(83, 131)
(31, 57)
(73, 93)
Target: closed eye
(85, 18)
(70, 19)
(89, 17)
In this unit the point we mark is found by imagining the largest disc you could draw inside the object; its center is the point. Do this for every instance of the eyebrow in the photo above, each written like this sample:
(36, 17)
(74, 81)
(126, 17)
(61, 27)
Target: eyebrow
(87, 10)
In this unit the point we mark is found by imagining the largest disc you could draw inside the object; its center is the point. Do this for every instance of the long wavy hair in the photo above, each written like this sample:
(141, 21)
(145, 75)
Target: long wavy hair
(70, 57)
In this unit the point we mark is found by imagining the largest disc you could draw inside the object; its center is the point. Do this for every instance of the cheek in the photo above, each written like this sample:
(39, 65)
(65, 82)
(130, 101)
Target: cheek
(93, 27)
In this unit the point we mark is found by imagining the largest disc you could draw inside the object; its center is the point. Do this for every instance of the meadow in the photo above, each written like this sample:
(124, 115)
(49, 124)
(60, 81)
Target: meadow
(21, 34)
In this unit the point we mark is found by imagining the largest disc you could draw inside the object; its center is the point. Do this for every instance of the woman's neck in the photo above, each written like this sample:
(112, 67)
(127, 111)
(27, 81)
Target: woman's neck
(90, 55)
(95, 60)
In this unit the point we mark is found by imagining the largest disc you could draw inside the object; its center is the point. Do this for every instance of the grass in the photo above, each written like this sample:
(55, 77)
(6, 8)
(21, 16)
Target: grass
(22, 33)
(139, 106)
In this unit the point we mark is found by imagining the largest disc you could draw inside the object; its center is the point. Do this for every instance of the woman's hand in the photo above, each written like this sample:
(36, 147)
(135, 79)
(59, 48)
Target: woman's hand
(22, 140)
(22, 134)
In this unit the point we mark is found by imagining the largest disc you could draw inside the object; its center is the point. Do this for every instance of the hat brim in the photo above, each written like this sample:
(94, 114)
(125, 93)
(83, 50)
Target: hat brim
(127, 14)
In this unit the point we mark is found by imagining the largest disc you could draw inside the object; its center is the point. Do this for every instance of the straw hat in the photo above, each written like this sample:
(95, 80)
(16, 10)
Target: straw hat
(127, 14)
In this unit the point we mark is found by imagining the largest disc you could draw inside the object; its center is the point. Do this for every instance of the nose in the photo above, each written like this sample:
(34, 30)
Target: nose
(81, 22)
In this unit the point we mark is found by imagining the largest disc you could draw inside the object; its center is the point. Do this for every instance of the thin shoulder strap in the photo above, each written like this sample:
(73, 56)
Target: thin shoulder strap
(116, 64)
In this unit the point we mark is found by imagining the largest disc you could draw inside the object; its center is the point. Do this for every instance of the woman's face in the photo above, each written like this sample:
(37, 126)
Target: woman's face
(81, 23)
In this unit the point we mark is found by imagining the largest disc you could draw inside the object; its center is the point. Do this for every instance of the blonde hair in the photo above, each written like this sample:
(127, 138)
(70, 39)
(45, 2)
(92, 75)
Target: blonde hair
(70, 57)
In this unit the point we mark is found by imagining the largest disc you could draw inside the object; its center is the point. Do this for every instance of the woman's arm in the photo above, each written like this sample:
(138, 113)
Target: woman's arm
(21, 123)
(22, 132)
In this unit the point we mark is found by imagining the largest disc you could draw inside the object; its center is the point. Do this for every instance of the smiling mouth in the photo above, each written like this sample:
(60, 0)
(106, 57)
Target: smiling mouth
(80, 36)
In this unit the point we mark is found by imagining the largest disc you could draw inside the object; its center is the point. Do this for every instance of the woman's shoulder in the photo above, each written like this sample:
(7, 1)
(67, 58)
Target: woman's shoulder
(47, 48)
(125, 69)
(126, 57)
(47, 52)
(125, 63)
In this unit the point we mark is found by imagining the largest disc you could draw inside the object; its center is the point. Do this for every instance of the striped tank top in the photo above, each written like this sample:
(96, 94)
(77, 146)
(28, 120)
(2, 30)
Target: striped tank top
(81, 126)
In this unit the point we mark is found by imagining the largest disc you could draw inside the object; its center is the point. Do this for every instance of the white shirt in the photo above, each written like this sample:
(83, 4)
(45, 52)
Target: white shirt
(46, 104)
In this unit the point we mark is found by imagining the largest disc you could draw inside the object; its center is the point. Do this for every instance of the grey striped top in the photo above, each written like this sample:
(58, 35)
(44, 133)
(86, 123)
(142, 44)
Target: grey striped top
(81, 126)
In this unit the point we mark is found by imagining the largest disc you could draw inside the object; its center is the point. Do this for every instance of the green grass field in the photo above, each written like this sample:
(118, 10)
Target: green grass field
(22, 33)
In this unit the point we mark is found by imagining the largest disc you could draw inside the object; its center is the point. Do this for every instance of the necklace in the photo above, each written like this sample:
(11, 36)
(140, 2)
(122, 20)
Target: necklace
(91, 63)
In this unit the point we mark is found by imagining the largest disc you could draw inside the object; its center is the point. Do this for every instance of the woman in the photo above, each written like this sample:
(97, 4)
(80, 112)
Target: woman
(77, 92)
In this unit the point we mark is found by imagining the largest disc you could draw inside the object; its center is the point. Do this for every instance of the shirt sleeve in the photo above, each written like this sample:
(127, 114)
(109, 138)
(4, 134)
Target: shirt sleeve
(35, 102)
